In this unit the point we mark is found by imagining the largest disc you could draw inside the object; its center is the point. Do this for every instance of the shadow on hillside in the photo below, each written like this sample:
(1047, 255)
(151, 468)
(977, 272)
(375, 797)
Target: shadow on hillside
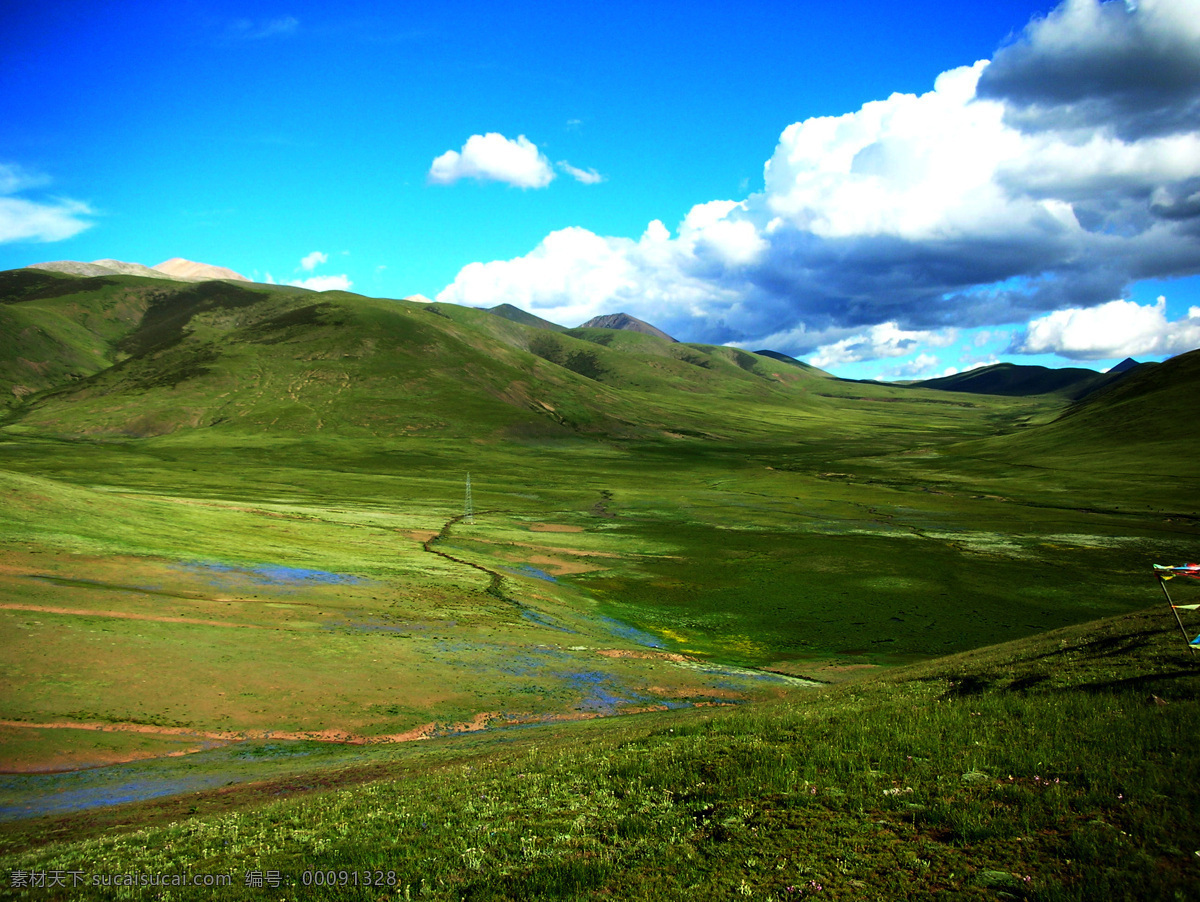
(1146, 682)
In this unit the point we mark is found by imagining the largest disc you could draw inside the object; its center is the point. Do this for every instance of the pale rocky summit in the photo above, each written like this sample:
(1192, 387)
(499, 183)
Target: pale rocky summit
(99, 268)
(176, 269)
(189, 271)
(129, 269)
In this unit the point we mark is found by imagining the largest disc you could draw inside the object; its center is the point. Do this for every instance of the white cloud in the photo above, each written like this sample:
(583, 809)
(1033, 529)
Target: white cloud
(915, 211)
(1116, 329)
(586, 176)
(309, 262)
(25, 220)
(883, 340)
(323, 283)
(22, 219)
(1131, 69)
(954, 370)
(921, 365)
(576, 274)
(494, 158)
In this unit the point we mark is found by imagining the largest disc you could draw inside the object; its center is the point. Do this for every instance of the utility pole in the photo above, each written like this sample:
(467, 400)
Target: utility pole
(469, 507)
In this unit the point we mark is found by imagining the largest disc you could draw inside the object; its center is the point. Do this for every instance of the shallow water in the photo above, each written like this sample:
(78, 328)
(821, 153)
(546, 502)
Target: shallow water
(35, 795)
(269, 575)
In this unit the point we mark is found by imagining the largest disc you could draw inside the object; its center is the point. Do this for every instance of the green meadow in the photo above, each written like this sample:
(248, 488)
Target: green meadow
(720, 626)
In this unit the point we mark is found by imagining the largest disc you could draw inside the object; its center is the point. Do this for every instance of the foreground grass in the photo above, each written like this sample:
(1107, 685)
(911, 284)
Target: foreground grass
(1057, 767)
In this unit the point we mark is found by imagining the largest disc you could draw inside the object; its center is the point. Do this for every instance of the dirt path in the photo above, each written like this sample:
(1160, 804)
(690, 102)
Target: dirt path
(481, 721)
(125, 615)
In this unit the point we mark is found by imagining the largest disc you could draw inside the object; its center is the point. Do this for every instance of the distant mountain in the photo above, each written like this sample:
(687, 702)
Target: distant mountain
(1015, 380)
(101, 268)
(126, 356)
(1125, 366)
(517, 315)
(625, 321)
(197, 272)
(177, 269)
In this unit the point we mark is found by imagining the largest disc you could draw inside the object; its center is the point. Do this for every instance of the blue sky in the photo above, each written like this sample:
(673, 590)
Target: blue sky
(581, 160)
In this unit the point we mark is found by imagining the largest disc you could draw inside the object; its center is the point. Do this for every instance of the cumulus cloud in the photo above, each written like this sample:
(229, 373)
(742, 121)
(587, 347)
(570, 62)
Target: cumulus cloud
(586, 176)
(494, 158)
(954, 370)
(324, 283)
(1129, 68)
(310, 261)
(1117, 329)
(22, 219)
(921, 365)
(984, 201)
(883, 340)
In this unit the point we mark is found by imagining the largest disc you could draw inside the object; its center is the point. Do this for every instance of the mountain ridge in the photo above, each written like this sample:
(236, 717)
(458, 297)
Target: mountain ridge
(1023, 380)
(176, 269)
(123, 355)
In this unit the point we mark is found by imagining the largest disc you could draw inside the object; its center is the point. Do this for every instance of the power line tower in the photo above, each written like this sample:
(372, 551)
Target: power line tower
(469, 507)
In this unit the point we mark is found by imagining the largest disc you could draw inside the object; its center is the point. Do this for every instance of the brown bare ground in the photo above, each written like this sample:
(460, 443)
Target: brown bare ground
(649, 655)
(561, 568)
(125, 615)
(573, 551)
(420, 535)
(554, 527)
(71, 758)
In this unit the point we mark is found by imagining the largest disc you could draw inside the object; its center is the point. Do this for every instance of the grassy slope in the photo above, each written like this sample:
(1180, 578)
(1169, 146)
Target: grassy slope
(1141, 424)
(1058, 767)
(56, 329)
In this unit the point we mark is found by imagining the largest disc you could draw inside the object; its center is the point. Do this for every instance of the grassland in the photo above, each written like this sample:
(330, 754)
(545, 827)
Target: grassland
(234, 567)
(1059, 767)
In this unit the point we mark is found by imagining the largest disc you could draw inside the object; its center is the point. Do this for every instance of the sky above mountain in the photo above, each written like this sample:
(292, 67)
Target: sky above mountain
(885, 190)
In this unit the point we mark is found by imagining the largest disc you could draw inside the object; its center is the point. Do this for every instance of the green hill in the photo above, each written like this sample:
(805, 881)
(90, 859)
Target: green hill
(517, 315)
(138, 357)
(55, 330)
(1018, 380)
(1141, 423)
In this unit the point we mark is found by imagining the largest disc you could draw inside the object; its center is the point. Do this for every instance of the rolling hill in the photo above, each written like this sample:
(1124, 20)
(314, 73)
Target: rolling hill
(122, 355)
(517, 315)
(1018, 380)
(1141, 421)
